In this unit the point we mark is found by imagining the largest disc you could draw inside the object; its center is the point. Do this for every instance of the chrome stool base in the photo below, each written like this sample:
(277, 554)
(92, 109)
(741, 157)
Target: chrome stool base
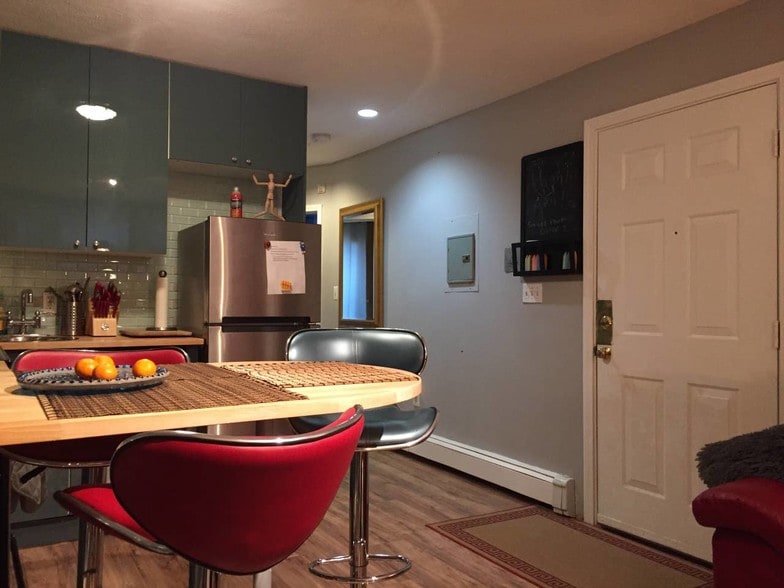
(355, 578)
(359, 558)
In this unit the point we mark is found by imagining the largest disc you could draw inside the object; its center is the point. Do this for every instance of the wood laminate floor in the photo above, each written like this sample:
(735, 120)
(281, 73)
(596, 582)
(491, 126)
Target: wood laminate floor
(406, 493)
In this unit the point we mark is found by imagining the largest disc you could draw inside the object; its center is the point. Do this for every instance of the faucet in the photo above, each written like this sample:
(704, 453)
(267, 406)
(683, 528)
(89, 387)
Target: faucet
(23, 323)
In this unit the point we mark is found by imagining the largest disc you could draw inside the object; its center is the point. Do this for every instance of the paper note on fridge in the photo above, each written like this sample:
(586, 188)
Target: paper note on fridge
(285, 267)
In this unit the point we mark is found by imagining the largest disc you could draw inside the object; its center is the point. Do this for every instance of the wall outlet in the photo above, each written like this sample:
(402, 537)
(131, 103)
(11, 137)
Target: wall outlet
(49, 302)
(532, 293)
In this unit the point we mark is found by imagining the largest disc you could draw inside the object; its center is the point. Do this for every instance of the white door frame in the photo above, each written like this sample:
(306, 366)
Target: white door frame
(772, 74)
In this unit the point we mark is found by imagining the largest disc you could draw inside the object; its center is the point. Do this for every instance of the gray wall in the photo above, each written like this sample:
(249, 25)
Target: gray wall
(507, 376)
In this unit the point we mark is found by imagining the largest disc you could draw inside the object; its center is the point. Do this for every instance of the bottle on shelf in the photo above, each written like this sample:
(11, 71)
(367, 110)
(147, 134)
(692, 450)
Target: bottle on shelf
(236, 203)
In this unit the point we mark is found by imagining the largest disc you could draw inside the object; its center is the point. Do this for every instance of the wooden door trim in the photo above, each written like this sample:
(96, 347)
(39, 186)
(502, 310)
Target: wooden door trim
(772, 74)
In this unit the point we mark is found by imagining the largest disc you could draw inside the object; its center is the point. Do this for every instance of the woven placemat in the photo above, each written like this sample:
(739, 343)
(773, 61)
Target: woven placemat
(188, 386)
(300, 374)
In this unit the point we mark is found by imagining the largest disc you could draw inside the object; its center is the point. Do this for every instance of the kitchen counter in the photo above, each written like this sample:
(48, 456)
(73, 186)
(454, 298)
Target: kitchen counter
(87, 342)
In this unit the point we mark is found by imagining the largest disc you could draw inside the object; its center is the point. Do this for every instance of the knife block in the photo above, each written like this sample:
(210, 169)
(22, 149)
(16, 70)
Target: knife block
(100, 327)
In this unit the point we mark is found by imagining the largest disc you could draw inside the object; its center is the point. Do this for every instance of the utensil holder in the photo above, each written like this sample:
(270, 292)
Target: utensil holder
(71, 317)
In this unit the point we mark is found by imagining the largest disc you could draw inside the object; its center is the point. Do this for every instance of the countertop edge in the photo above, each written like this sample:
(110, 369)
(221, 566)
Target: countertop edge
(87, 342)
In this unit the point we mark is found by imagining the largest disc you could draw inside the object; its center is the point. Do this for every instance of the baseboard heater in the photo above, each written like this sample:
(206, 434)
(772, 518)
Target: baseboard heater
(554, 489)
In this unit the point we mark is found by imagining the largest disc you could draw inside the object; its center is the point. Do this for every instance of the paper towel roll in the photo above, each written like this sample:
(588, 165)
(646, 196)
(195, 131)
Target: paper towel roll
(162, 301)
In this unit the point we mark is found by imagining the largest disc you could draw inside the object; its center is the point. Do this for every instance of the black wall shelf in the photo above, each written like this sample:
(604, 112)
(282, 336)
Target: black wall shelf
(551, 217)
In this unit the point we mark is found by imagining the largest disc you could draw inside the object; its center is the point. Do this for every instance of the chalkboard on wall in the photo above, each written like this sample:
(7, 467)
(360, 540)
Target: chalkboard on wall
(551, 220)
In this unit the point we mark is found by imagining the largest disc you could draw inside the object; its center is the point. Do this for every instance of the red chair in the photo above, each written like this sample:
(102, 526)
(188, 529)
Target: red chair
(748, 543)
(35, 359)
(93, 454)
(233, 505)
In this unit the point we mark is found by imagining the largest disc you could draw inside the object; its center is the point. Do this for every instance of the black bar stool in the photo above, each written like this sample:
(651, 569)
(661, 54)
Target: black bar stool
(386, 428)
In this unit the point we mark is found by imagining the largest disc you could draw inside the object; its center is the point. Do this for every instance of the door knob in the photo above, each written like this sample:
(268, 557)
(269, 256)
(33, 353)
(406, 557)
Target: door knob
(602, 351)
(605, 322)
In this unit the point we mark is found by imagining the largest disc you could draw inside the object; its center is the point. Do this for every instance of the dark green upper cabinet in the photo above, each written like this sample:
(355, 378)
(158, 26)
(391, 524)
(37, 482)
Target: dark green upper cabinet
(43, 142)
(128, 179)
(204, 116)
(223, 119)
(67, 183)
(274, 121)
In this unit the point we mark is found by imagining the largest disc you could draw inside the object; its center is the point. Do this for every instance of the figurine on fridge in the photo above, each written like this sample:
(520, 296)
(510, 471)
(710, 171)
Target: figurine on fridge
(269, 206)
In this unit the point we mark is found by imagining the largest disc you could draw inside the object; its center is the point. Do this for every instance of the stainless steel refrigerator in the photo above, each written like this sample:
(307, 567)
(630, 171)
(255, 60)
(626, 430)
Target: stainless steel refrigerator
(246, 284)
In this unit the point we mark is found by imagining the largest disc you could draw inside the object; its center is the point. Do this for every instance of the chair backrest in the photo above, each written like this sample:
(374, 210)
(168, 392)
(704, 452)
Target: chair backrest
(395, 348)
(237, 505)
(41, 359)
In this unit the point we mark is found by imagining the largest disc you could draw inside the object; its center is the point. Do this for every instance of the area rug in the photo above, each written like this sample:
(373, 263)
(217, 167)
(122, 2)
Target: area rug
(551, 550)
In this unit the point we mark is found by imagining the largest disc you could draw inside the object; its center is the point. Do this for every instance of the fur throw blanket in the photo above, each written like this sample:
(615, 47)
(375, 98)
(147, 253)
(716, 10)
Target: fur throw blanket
(753, 455)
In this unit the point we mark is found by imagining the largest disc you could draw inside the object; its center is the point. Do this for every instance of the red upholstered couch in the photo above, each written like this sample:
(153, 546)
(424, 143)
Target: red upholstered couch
(748, 544)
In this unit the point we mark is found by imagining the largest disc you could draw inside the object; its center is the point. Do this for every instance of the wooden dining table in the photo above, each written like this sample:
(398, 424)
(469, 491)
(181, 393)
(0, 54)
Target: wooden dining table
(191, 395)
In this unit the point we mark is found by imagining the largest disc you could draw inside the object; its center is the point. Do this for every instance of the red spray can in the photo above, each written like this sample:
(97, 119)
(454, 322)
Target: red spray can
(236, 203)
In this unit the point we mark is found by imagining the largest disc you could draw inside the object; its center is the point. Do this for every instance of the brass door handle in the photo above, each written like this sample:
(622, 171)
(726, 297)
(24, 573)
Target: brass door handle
(602, 351)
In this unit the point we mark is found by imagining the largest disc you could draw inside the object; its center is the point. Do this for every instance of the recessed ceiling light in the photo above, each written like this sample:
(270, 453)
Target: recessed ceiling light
(95, 112)
(367, 113)
(112, 182)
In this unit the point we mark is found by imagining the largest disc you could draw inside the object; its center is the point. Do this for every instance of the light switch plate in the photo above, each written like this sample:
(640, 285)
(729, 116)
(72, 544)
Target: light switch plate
(532, 292)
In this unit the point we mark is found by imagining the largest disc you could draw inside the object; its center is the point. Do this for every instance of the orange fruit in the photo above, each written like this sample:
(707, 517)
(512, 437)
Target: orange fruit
(101, 359)
(144, 367)
(85, 367)
(104, 371)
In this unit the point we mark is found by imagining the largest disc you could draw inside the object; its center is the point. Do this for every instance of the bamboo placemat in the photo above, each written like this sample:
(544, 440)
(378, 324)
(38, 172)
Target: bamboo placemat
(300, 374)
(188, 386)
(200, 385)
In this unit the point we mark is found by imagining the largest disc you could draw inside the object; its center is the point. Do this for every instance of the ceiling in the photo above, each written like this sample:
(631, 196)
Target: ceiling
(418, 62)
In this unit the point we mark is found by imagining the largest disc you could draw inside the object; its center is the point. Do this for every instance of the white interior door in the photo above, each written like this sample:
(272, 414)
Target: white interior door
(686, 250)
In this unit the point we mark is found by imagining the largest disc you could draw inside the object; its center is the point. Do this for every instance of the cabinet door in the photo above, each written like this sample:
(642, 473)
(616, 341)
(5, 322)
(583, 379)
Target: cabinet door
(32, 534)
(274, 127)
(205, 116)
(43, 150)
(128, 169)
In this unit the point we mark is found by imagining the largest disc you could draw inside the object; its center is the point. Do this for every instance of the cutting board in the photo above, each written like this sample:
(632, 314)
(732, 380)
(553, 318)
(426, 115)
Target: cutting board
(146, 333)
